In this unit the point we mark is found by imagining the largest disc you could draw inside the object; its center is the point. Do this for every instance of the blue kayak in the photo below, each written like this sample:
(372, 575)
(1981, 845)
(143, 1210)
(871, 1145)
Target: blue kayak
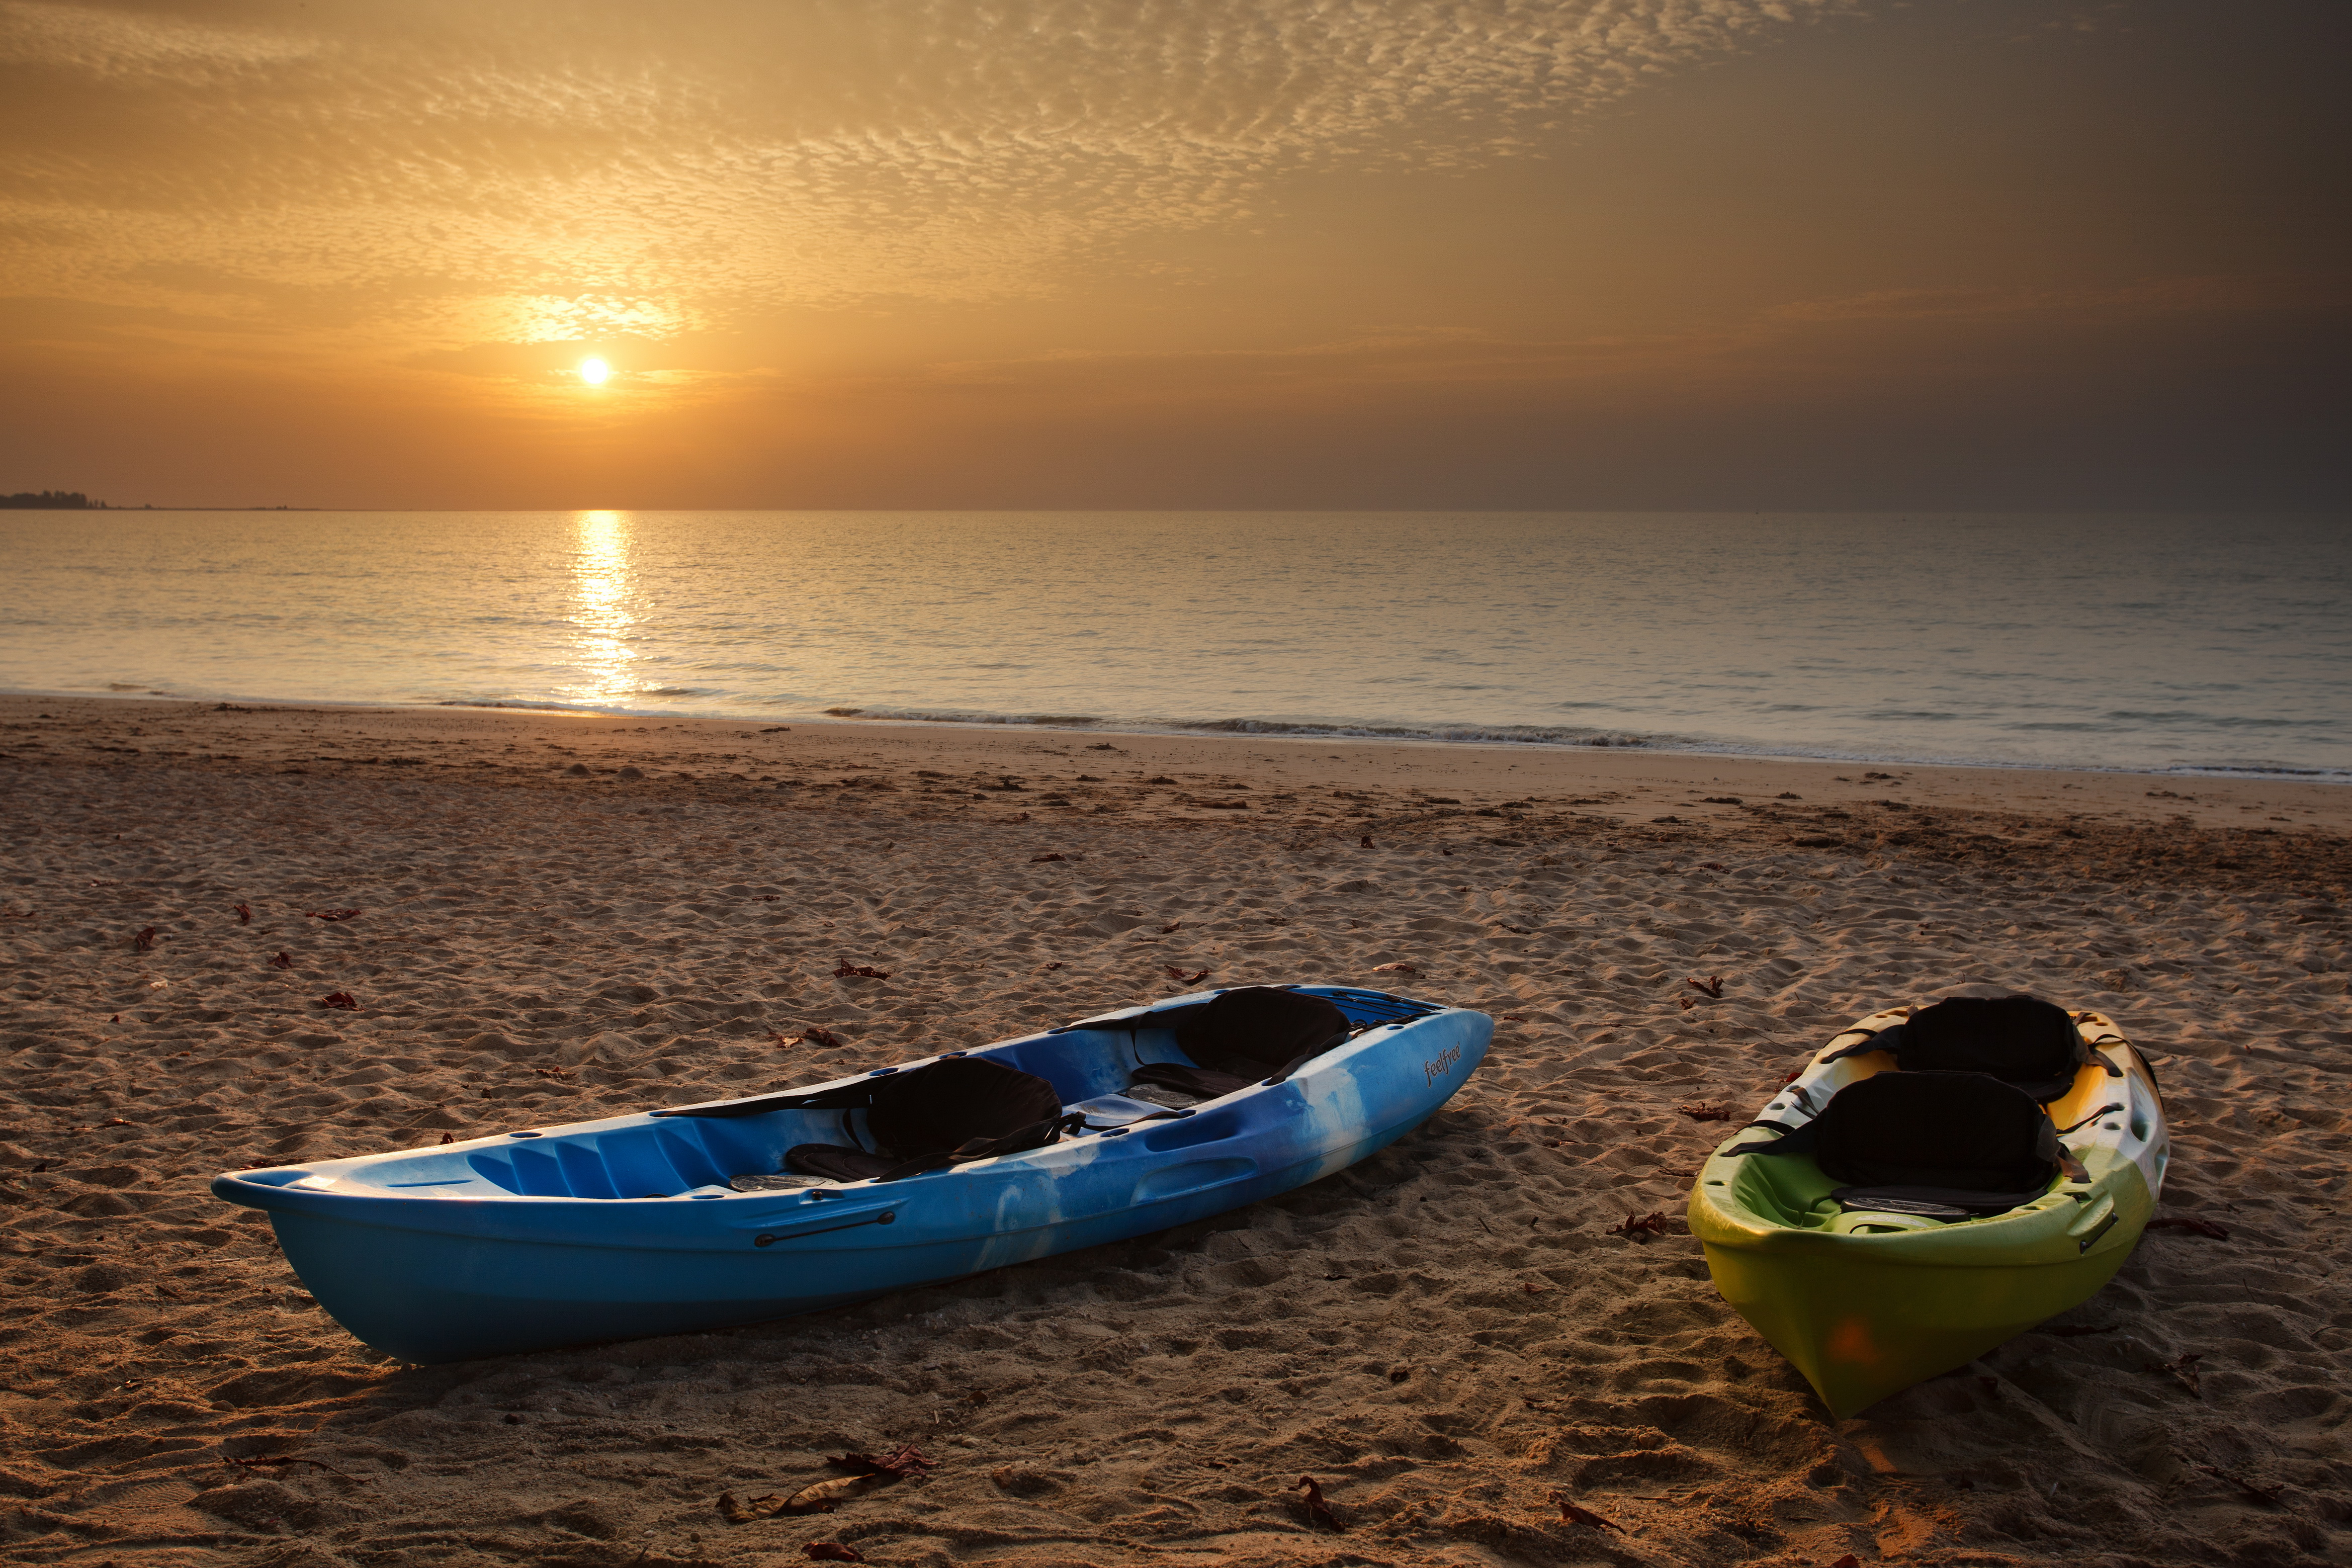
(697, 1217)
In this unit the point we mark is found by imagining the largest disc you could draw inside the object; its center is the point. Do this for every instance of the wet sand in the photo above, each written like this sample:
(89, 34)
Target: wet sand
(564, 917)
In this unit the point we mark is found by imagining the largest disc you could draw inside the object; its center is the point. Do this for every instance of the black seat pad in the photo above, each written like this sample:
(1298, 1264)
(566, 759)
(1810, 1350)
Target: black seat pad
(920, 1119)
(1964, 1140)
(2022, 1040)
(1260, 1031)
(1200, 1083)
(1962, 1132)
(839, 1163)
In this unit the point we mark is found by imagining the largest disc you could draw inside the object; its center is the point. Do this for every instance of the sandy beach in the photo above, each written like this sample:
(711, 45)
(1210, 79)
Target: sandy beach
(563, 916)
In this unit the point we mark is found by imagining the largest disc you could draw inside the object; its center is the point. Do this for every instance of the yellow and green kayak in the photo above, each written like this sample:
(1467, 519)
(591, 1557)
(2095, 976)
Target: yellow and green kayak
(1867, 1294)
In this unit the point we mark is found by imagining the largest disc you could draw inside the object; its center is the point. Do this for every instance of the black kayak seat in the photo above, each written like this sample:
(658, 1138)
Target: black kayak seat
(1252, 1034)
(1923, 1142)
(2021, 1040)
(929, 1117)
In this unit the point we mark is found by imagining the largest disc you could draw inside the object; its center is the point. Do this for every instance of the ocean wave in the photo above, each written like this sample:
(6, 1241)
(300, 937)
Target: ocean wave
(526, 705)
(1453, 734)
(920, 716)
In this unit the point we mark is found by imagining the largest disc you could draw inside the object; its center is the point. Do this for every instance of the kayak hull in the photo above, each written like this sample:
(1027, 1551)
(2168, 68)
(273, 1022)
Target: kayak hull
(539, 1238)
(427, 1297)
(1865, 1305)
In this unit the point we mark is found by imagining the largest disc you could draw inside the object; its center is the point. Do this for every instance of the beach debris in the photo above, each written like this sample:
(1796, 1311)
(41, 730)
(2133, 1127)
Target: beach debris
(342, 1000)
(2194, 1226)
(244, 914)
(784, 1041)
(2183, 1367)
(1706, 1112)
(283, 961)
(832, 1551)
(1366, 841)
(815, 1036)
(244, 1464)
(897, 1465)
(1041, 859)
(331, 914)
(734, 1510)
(1712, 986)
(1722, 800)
(2263, 1494)
(1586, 1517)
(1686, 1003)
(1316, 1508)
(1171, 927)
(145, 940)
(1399, 967)
(1102, 746)
(1532, 1289)
(1181, 978)
(1051, 967)
(1005, 782)
(1710, 865)
(1794, 1074)
(1640, 1228)
(448, 1138)
(845, 969)
(869, 1473)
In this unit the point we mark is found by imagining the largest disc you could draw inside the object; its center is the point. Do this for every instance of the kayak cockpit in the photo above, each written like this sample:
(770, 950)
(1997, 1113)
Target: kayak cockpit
(2055, 1135)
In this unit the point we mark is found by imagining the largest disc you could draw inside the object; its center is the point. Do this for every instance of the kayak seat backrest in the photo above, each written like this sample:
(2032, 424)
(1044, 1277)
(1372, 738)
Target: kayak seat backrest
(950, 1102)
(2022, 1040)
(1260, 1031)
(1963, 1141)
(924, 1117)
(1240, 1038)
(1963, 1129)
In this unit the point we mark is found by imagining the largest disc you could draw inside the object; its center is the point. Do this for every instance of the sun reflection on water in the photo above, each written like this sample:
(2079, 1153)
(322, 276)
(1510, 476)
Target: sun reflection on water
(603, 588)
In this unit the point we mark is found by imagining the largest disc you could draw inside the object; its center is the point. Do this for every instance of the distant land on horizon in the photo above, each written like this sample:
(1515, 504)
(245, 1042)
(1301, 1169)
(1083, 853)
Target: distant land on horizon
(74, 500)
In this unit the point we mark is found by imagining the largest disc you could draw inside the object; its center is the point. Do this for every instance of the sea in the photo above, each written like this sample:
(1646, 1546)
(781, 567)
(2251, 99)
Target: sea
(2165, 643)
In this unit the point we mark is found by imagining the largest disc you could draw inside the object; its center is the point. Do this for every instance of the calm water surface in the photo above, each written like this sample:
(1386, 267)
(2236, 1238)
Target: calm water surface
(2166, 642)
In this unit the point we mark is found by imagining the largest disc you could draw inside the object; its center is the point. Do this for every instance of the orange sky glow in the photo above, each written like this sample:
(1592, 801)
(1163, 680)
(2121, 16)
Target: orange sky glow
(1483, 253)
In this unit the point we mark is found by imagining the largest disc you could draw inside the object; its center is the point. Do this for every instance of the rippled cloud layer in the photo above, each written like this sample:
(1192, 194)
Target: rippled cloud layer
(519, 173)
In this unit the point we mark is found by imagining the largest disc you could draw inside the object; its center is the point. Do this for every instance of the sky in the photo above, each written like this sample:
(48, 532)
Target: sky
(1485, 254)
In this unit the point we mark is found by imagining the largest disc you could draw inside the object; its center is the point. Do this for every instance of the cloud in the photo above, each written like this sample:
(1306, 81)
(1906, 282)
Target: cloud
(586, 169)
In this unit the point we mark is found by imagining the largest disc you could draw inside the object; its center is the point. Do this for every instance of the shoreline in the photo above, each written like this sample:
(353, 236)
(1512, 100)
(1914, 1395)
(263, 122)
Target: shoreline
(1136, 772)
(1211, 729)
(543, 918)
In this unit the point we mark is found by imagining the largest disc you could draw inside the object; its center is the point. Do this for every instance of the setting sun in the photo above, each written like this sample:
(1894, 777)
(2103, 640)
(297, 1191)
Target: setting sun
(595, 371)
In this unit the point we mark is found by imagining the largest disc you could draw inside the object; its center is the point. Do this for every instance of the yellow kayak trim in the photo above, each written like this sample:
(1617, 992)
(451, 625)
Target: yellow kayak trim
(1866, 1304)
